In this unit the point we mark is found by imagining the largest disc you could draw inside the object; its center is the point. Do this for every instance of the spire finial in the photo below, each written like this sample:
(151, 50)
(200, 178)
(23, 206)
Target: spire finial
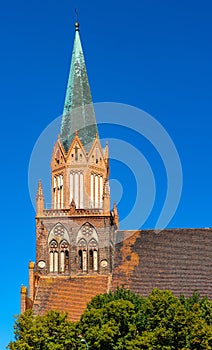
(76, 23)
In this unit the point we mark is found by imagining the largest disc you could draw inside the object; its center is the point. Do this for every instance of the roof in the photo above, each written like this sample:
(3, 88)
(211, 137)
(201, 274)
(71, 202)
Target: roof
(179, 260)
(68, 294)
(78, 113)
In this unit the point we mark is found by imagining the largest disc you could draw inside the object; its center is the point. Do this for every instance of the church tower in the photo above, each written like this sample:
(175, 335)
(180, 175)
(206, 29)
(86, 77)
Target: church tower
(75, 238)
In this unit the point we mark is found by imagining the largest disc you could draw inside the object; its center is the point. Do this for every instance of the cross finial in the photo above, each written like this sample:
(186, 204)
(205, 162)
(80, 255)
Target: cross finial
(76, 11)
(76, 23)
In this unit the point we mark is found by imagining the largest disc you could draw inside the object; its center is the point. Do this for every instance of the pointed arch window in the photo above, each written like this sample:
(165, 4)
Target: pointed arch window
(58, 192)
(93, 255)
(80, 259)
(77, 188)
(90, 259)
(88, 250)
(96, 190)
(82, 255)
(59, 248)
(64, 256)
(58, 257)
(53, 256)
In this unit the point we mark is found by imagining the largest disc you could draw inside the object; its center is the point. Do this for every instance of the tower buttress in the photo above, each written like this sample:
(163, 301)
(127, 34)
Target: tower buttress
(23, 299)
(31, 280)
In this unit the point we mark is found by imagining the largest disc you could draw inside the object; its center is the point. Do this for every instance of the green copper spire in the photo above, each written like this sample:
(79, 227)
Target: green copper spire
(78, 113)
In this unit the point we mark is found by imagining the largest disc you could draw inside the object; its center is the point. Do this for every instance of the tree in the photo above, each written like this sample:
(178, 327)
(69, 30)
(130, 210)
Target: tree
(48, 332)
(122, 320)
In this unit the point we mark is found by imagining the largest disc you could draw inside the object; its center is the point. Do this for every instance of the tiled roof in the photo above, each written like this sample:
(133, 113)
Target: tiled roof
(68, 294)
(178, 259)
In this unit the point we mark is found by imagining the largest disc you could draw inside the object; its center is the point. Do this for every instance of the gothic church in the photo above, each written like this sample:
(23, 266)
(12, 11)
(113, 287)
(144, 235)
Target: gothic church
(77, 254)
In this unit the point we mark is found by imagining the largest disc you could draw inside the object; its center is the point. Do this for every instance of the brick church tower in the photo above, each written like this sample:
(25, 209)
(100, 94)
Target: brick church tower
(75, 238)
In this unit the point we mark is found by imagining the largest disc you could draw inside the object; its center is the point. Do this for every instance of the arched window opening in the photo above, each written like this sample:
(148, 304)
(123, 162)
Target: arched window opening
(66, 260)
(77, 188)
(62, 262)
(80, 259)
(53, 256)
(58, 191)
(84, 260)
(64, 246)
(95, 260)
(82, 255)
(58, 257)
(64, 256)
(91, 259)
(93, 255)
(55, 261)
(88, 250)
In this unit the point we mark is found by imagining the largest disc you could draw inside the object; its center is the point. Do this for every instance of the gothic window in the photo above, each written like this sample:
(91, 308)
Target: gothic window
(90, 259)
(93, 255)
(58, 192)
(84, 260)
(82, 255)
(64, 256)
(96, 191)
(80, 259)
(59, 247)
(95, 260)
(87, 243)
(66, 260)
(77, 189)
(53, 256)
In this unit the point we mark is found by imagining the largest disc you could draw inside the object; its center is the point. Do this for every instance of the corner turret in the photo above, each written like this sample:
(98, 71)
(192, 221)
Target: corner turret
(39, 200)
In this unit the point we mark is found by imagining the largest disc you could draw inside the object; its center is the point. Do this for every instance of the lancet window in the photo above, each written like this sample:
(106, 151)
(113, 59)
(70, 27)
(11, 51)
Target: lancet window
(77, 189)
(64, 256)
(96, 190)
(82, 255)
(58, 192)
(53, 256)
(93, 255)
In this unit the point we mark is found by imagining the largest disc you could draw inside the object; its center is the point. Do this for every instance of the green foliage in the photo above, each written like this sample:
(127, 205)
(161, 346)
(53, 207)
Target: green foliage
(100, 300)
(50, 332)
(122, 320)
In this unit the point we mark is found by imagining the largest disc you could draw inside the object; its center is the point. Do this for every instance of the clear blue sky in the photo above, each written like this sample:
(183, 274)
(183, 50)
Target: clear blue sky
(154, 55)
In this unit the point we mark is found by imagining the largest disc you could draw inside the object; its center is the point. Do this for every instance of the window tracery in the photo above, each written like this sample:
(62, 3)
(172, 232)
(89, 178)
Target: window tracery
(87, 243)
(59, 249)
